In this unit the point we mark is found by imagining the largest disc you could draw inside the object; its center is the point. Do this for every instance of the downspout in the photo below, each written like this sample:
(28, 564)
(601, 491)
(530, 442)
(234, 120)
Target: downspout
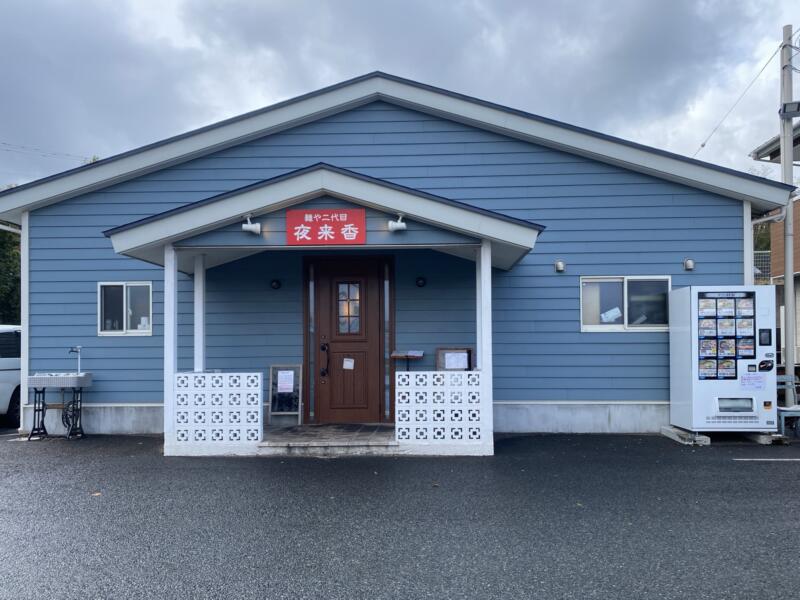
(781, 214)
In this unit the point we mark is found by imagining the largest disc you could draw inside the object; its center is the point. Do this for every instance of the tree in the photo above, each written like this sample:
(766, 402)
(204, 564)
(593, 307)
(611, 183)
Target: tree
(10, 291)
(9, 278)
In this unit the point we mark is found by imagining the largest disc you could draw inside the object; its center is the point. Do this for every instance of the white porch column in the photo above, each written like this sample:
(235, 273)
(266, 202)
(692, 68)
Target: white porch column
(170, 338)
(483, 311)
(199, 313)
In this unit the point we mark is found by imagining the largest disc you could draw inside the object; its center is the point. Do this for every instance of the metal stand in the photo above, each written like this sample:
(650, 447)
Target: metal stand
(39, 410)
(71, 414)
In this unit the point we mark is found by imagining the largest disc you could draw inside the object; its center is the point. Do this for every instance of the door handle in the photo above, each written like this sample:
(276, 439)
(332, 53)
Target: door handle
(324, 370)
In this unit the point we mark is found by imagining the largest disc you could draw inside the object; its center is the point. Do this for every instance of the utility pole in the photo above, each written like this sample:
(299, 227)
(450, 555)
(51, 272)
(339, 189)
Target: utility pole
(787, 155)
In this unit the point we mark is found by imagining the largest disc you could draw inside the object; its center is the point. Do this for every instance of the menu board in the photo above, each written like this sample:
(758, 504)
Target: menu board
(727, 347)
(726, 327)
(726, 369)
(725, 332)
(744, 327)
(745, 307)
(708, 348)
(707, 327)
(708, 368)
(746, 347)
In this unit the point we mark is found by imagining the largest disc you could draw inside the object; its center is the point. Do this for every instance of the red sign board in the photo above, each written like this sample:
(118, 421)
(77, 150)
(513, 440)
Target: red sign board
(326, 227)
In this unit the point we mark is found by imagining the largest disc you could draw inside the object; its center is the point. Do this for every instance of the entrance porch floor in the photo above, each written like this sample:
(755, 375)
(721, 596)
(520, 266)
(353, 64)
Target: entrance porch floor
(329, 440)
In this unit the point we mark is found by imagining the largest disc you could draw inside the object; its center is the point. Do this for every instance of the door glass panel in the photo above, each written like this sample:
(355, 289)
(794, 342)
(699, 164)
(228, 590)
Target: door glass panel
(349, 308)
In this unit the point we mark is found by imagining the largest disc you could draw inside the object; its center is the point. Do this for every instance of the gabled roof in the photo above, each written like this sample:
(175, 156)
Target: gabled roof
(770, 151)
(764, 194)
(144, 239)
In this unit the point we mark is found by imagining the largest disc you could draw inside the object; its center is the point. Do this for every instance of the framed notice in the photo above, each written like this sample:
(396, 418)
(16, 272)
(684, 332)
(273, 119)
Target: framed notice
(285, 392)
(453, 359)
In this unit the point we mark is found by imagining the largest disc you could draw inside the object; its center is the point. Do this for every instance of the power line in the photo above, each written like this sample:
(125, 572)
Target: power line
(9, 147)
(739, 99)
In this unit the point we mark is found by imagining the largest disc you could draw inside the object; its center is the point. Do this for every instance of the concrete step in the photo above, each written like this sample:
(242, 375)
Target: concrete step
(333, 449)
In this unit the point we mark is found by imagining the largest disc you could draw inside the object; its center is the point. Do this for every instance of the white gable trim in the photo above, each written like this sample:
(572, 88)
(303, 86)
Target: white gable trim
(763, 195)
(514, 240)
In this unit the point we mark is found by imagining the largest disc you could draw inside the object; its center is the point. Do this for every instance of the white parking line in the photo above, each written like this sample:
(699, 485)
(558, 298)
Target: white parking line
(767, 459)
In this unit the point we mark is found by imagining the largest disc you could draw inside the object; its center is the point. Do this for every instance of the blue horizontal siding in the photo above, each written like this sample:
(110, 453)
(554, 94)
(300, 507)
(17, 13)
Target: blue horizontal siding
(600, 219)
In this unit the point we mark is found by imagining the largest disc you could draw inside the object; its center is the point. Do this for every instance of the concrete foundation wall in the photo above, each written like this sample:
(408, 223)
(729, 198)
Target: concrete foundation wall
(509, 417)
(580, 417)
(105, 419)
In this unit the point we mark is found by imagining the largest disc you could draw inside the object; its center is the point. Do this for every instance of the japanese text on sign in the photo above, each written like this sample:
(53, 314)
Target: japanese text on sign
(326, 227)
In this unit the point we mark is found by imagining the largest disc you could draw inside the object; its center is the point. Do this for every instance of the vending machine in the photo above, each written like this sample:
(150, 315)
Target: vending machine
(722, 358)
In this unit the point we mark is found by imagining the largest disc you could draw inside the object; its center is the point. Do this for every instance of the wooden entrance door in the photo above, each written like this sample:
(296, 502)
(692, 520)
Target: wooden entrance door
(349, 340)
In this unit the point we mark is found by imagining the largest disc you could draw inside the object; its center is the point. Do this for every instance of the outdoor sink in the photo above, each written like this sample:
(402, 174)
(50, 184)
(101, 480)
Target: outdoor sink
(60, 380)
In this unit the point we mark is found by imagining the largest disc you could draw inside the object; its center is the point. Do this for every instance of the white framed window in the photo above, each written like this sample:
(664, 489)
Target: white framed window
(625, 303)
(124, 308)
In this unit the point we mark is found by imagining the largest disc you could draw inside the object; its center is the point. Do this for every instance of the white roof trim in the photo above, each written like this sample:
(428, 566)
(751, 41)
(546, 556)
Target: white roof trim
(763, 194)
(513, 240)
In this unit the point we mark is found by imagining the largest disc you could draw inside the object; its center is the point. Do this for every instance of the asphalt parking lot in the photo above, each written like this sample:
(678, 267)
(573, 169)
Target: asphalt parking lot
(548, 517)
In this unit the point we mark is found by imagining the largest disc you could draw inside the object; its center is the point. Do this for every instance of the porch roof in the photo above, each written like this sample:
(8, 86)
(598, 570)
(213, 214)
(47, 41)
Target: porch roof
(144, 239)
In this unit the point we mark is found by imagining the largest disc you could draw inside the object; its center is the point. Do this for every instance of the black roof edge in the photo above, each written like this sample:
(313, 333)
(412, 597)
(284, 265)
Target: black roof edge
(411, 82)
(327, 167)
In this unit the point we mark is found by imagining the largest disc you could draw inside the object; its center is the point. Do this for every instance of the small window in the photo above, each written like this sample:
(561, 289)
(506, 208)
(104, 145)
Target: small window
(624, 303)
(9, 344)
(349, 307)
(648, 302)
(125, 308)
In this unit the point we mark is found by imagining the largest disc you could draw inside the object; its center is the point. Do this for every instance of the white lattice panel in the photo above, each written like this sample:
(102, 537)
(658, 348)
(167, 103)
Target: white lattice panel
(440, 407)
(218, 408)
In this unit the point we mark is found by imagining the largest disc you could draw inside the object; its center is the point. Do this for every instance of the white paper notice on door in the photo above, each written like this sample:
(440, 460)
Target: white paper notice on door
(348, 364)
(285, 382)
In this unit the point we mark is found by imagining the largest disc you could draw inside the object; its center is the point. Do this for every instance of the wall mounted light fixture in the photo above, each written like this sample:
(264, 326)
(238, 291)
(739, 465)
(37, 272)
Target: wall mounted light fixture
(560, 266)
(398, 225)
(688, 264)
(251, 227)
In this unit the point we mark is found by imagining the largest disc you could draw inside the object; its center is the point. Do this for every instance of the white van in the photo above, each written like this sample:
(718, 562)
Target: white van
(9, 374)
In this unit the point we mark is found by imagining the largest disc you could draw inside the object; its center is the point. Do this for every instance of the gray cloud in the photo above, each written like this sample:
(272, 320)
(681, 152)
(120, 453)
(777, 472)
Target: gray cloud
(105, 77)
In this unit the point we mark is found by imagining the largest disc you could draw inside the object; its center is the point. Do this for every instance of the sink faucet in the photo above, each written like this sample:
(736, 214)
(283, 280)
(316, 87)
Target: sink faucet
(77, 350)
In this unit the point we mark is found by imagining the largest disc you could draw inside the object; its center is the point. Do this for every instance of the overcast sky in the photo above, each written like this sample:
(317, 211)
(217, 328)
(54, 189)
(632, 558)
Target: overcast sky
(100, 77)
